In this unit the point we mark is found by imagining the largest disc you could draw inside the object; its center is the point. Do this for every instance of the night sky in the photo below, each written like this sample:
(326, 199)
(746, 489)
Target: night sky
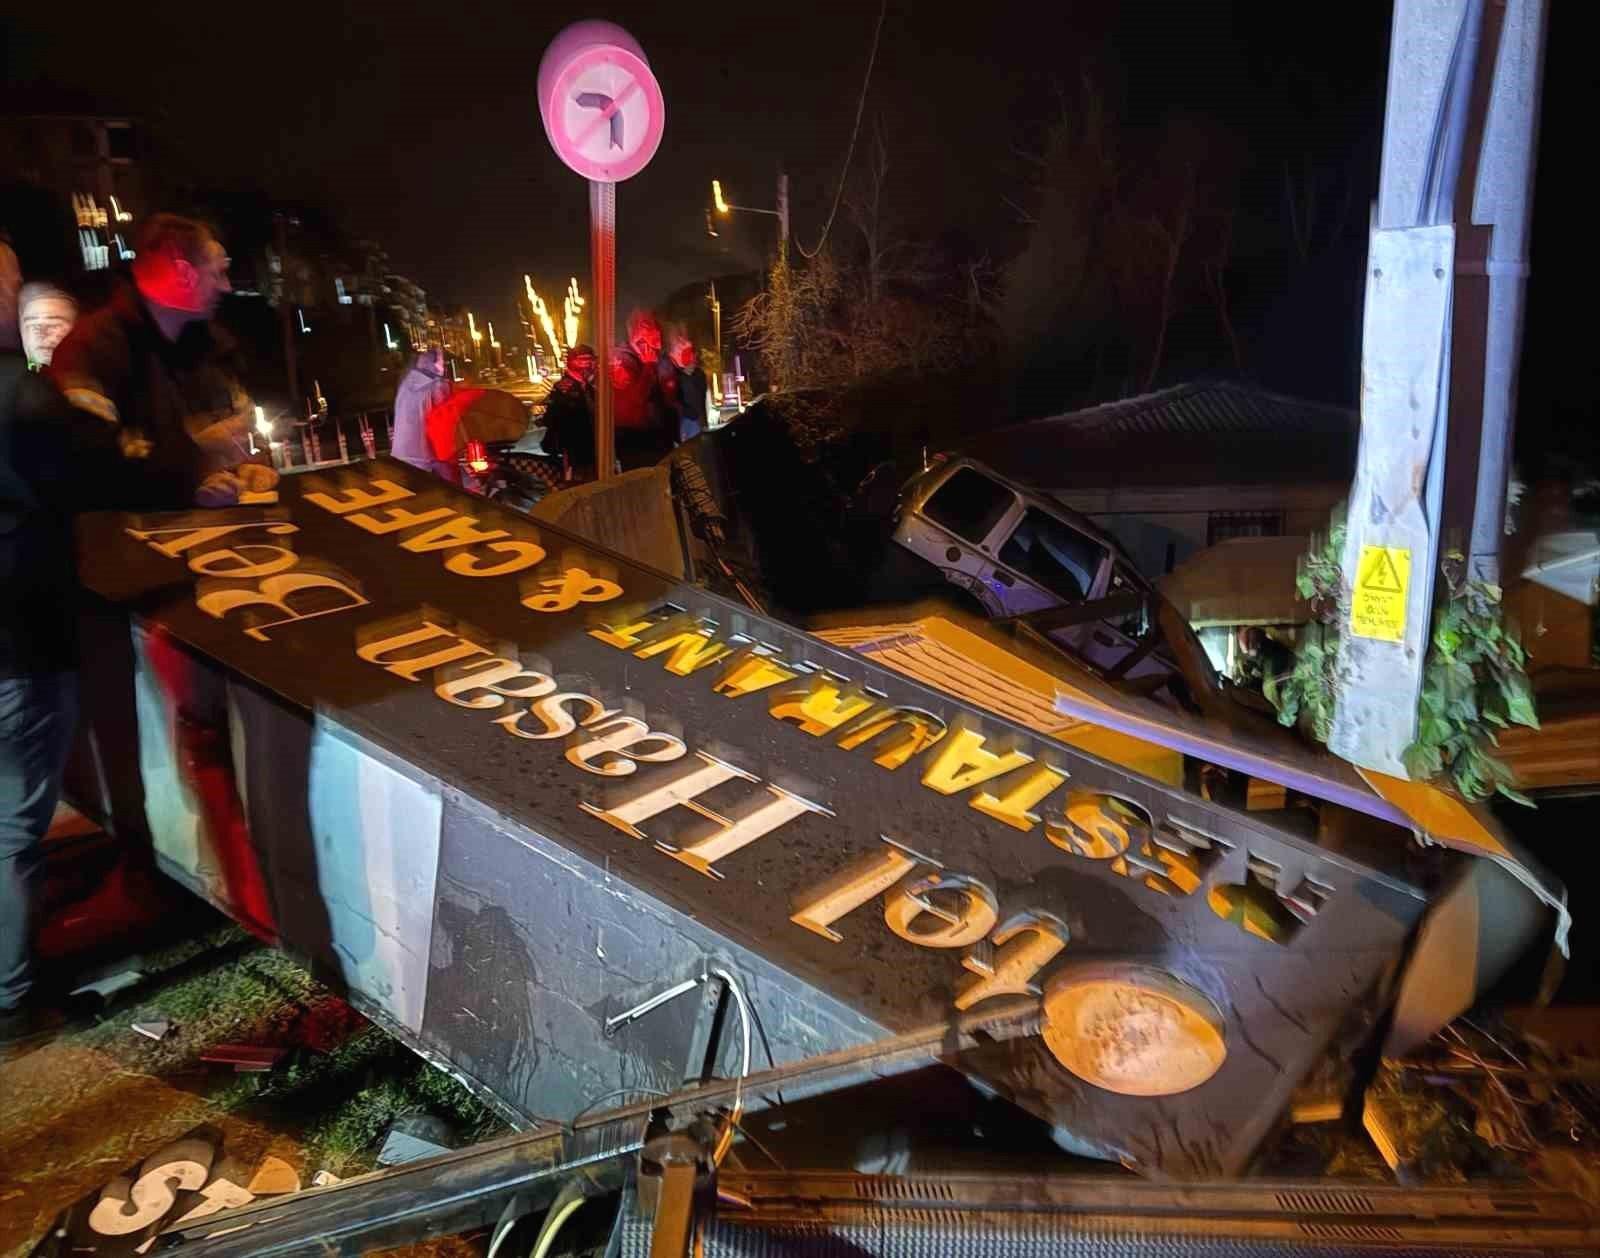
(421, 130)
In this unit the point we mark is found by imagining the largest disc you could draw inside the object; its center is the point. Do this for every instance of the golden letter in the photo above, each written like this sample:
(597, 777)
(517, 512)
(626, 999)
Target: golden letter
(729, 836)
(1180, 871)
(461, 530)
(553, 715)
(904, 905)
(963, 761)
(850, 888)
(692, 650)
(615, 740)
(189, 538)
(354, 499)
(492, 677)
(410, 669)
(206, 563)
(1014, 807)
(678, 792)
(917, 731)
(398, 518)
(1026, 944)
(276, 592)
(821, 708)
(753, 670)
(627, 636)
(523, 555)
(572, 587)
(1096, 826)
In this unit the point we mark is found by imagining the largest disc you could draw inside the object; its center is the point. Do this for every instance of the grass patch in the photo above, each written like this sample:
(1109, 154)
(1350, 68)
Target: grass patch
(342, 1082)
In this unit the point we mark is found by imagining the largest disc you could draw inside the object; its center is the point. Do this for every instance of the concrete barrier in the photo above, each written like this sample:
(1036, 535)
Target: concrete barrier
(631, 514)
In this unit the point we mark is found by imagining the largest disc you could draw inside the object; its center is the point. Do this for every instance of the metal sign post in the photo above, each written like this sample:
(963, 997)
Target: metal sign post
(603, 261)
(604, 114)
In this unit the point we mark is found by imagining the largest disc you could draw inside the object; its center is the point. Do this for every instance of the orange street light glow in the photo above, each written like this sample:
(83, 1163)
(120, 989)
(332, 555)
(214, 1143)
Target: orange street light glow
(716, 197)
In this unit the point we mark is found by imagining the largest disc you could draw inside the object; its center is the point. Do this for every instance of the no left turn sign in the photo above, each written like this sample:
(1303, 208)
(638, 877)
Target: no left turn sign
(603, 112)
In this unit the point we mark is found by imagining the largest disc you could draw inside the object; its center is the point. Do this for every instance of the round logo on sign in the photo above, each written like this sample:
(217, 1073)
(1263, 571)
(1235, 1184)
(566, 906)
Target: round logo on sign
(604, 113)
(1132, 1029)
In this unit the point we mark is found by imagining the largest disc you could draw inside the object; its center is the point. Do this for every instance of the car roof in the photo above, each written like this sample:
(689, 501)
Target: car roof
(1047, 504)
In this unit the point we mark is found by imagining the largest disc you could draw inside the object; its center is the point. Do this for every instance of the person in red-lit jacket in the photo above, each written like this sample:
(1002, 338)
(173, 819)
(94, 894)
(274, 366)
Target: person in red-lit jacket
(646, 419)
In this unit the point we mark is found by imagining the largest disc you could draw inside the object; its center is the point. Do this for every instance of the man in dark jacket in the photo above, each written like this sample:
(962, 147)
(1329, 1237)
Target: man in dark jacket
(54, 460)
(692, 389)
(569, 414)
(150, 361)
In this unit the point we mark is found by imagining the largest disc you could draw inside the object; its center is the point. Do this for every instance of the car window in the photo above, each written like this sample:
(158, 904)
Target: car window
(1124, 582)
(969, 504)
(1053, 554)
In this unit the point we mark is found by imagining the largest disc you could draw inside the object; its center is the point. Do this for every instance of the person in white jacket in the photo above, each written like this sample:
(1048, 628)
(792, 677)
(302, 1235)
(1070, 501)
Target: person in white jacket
(423, 387)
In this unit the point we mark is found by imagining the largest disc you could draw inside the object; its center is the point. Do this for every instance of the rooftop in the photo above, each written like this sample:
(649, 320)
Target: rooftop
(1211, 432)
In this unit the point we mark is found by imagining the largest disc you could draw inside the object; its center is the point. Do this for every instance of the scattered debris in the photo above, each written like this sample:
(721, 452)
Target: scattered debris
(111, 984)
(274, 1176)
(245, 1057)
(324, 1179)
(415, 1136)
(156, 1029)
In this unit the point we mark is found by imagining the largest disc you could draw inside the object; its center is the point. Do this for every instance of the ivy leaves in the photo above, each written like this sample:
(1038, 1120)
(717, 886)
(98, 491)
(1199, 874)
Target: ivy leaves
(1305, 695)
(1475, 682)
(1475, 679)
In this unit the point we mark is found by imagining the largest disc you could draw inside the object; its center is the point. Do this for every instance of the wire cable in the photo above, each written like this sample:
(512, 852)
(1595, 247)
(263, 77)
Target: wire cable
(559, 1214)
(614, 1092)
(855, 131)
(725, 1141)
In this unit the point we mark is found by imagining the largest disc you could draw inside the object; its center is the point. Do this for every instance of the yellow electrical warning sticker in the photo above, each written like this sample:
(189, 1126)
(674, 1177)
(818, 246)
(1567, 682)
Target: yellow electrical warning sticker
(1378, 603)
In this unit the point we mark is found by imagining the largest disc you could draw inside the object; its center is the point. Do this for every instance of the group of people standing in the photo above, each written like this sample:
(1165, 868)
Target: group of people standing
(131, 407)
(659, 400)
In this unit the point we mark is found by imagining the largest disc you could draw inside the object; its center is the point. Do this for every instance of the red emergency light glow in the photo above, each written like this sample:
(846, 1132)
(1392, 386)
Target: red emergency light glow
(477, 457)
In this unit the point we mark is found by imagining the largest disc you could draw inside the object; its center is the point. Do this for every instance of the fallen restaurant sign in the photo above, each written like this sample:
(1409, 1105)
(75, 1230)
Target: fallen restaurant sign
(541, 784)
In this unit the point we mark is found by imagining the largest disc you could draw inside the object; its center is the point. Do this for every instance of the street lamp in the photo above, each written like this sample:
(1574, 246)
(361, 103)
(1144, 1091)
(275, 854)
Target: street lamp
(725, 208)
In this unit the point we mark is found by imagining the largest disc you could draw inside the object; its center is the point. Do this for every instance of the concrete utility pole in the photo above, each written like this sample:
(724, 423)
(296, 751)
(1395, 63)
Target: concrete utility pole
(783, 215)
(1447, 270)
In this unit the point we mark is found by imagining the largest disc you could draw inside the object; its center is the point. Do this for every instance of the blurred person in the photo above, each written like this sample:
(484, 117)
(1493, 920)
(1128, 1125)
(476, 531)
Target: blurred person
(55, 460)
(646, 422)
(692, 389)
(425, 385)
(46, 314)
(569, 414)
(10, 286)
(152, 363)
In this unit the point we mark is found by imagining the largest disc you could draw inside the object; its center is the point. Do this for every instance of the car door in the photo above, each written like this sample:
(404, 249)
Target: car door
(957, 528)
(1045, 562)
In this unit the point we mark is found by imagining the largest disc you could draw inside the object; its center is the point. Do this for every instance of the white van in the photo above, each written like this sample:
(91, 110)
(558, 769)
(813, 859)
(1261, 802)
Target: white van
(1025, 558)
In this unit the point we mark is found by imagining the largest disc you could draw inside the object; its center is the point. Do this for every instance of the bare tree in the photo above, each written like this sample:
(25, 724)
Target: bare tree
(1215, 272)
(1170, 232)
(865, 204)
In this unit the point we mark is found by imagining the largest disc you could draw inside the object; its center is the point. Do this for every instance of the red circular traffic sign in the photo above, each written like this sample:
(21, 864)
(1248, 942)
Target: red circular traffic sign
(603, 111)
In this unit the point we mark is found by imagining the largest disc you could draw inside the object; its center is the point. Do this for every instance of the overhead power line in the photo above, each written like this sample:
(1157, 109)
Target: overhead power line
(844, 171)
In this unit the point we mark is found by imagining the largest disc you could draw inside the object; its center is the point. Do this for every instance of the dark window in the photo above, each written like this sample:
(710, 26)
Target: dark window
(1223, 525)
(120, 142)
(969, 504)
(1053, 554)
(1124, 582)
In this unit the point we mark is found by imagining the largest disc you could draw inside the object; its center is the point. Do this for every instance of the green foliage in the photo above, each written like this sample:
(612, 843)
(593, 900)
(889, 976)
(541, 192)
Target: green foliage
(1475, 682)
(1305, 695)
